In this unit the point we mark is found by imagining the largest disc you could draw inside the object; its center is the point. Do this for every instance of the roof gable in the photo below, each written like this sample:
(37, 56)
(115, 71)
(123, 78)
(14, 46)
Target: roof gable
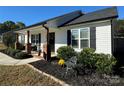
(97, 15)
(61, 20)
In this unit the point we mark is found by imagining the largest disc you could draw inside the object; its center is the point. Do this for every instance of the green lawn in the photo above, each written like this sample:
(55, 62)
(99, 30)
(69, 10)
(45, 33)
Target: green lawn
(23, 75)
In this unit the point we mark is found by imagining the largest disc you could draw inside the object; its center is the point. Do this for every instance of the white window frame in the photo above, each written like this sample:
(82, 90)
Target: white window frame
(79, 39)
(35, 39)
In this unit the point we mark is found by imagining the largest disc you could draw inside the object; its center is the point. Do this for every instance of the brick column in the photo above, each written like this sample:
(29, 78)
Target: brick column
(28, 46)
(17, 41)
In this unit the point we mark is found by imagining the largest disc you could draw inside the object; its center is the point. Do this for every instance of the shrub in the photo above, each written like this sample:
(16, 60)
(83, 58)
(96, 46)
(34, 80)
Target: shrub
(65, 52)
(87, 57)
(9, 39)
(21, 55)
(13, 52)
(16, 53)
(105, 63)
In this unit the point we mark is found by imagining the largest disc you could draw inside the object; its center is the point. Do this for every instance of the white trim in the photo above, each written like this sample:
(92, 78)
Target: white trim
(83, 24)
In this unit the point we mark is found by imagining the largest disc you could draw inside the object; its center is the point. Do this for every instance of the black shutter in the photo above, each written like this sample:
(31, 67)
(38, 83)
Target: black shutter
(93, 37)
(68, 37)
(39, 38)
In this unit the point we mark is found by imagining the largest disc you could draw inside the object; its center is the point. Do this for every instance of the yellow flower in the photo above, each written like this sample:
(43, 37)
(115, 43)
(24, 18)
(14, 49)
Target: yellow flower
(61, 62)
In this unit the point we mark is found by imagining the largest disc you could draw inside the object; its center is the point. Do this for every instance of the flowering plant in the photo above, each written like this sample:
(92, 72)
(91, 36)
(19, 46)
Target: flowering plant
(61, 62)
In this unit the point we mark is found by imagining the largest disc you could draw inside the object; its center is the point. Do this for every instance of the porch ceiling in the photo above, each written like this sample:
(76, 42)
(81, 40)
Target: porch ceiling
(32, 29)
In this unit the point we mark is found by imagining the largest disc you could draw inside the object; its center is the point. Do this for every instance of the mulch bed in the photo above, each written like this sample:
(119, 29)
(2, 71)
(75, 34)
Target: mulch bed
(93, 79)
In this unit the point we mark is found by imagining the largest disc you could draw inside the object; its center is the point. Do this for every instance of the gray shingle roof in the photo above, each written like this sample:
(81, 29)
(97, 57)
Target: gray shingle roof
(77, 17)
(97, 15)
(61, 20)
(58, 21)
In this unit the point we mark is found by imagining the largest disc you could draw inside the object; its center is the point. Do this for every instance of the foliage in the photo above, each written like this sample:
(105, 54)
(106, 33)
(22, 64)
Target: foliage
(21, 55)
(11, 52)
(87, 57)
(2, 28)
(120, 25)
(105, 63)
(7, 28)
(9, 25)
(61, 62)
(89, 61)
(65, 52)
(20, 25)
(9, 39)
(16, 53)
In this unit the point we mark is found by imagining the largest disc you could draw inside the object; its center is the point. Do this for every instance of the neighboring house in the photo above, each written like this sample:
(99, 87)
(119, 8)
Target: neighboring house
(77, 29)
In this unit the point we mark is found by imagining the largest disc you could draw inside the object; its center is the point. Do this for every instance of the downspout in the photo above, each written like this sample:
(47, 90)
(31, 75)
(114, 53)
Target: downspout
(113, 26)
(48, 54)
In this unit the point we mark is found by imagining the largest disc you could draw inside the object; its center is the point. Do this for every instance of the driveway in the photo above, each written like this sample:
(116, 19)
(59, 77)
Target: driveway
(7, 60)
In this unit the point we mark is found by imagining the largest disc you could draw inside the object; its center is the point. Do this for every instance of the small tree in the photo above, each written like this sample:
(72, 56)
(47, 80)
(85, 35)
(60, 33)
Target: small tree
(9, 39)
(20, 25)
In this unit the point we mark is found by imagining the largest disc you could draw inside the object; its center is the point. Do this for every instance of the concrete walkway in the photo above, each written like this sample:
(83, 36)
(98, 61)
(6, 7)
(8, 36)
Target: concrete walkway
(7, 60)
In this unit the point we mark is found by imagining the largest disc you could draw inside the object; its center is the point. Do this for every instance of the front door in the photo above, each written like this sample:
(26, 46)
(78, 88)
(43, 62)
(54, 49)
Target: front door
(52, 41)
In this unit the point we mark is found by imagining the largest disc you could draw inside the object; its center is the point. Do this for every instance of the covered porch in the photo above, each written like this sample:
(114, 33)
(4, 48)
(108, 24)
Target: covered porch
(39, 41)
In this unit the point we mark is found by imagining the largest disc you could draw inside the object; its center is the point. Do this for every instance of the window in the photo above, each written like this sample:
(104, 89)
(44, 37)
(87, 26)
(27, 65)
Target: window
(84, 37)
(32, 38)
(35, 39)
(75, 38)
(80, 38)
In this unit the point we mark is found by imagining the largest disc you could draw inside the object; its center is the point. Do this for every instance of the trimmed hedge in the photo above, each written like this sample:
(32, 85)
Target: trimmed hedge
(65, 52)
(87, 57)
(101, 63)
(16, 53)
(105, 63)
(22, 55)
(88, 61)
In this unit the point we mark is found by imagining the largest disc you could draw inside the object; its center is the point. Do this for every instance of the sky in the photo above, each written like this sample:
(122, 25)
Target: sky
(33, 14)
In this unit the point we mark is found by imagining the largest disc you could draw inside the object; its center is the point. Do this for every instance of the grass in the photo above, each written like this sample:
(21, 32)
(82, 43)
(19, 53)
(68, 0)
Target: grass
(23, 76)
(2, 46)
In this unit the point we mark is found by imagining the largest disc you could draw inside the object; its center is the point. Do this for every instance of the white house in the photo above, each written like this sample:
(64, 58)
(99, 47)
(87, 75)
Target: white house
(77, 29)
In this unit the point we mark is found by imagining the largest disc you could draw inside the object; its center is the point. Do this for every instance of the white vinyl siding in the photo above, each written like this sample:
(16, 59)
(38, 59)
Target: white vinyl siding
(103, 39)
(60, 39)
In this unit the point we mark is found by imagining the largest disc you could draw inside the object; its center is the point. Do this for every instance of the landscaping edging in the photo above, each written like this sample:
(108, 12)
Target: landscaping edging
(50, 76)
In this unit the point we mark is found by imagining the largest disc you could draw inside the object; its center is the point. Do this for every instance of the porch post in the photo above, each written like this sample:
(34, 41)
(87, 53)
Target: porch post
(48, 46)
(47, 54)
(17, 41)
(28, 46)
